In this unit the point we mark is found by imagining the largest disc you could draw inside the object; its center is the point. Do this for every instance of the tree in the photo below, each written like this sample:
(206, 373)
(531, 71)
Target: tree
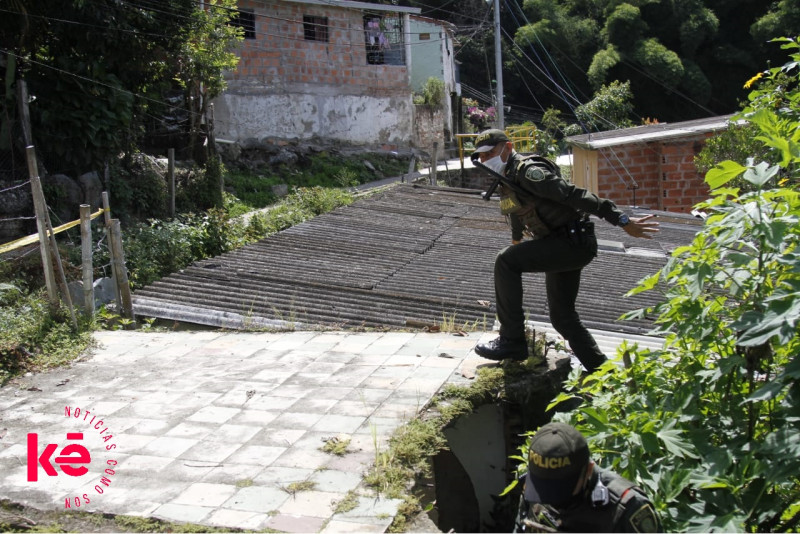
(684, 59)
(610, 108)
(97, 70)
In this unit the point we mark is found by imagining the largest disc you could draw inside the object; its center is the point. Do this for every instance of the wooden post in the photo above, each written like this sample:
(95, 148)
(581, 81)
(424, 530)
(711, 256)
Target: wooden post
(86, 259)
(434, 159)
(62, 278)
(122, 274)
(40, 208)
(411, 167)
(212, 147)
(114, 277)
(171, 180)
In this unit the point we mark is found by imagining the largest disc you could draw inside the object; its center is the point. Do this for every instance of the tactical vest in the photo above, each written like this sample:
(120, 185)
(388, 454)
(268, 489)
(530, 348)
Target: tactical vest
(523, 205)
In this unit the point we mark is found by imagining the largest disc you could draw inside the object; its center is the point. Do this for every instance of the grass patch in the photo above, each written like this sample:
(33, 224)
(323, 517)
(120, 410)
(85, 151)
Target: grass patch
(336, 445)
(297, 487)
(349, 502)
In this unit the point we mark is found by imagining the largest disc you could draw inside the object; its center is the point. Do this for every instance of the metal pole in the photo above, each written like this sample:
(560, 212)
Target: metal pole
(498, 60)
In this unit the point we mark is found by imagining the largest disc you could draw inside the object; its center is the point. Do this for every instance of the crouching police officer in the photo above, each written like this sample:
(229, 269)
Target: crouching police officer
(555, 214)
(566, 492)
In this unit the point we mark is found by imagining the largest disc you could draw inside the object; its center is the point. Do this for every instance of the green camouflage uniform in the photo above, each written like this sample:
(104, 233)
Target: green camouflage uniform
(555, 213)
(609, 504)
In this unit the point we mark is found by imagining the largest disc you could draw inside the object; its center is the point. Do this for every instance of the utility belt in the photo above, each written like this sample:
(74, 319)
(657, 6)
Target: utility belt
(580, 231)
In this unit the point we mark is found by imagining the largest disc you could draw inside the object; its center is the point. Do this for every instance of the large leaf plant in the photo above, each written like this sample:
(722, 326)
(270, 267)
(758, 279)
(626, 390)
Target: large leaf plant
(709, 425)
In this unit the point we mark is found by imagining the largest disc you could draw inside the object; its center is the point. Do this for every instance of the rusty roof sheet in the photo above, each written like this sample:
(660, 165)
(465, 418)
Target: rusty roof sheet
(407, 256)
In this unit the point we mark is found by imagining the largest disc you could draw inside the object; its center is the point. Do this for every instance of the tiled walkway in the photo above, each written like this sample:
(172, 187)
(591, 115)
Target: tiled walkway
(222, 428)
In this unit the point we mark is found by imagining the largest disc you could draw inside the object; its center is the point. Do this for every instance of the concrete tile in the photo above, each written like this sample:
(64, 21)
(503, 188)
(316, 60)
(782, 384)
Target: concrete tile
(278, 477)
(213, 414)
(331, 393)
(190, 430)
(205, 494)
(234, 433)
(311, 503)
(296, 421)
(294, 457)
(335, 526)
(294, 391)
(277, 437)
(339, 423)
(168, 446)
(269, 402)
(250, 416)
(234, 474)
(237, 519)
(368, 396)
(273, 376)
(211, 452)
(137, 463)
(372, 507)
(182, 513)
(262, 499)
(333, 480)
(295, 523)
(256, 455)
(351, 408)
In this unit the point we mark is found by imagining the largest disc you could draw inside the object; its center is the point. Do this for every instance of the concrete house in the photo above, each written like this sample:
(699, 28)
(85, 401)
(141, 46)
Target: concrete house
(649, 166)
(433, 56)
(336, 70)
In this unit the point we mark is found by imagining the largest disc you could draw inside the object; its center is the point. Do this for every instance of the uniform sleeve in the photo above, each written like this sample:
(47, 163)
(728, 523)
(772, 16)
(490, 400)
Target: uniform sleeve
(516, 227)
(640, 516)
(546, 184)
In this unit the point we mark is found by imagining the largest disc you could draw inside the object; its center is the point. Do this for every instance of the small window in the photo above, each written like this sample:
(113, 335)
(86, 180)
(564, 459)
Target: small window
(245, 20)
(315, 28)
(424, 37)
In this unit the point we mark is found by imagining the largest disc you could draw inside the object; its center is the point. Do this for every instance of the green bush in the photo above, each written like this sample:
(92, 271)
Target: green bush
(709, 425)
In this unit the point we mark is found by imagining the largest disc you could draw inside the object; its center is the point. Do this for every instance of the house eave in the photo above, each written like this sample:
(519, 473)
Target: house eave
(364, 6)
(647, 134)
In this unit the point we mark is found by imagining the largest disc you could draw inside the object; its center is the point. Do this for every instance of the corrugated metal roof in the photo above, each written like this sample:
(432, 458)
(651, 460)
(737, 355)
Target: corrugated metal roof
(410, 255)
(651, 132)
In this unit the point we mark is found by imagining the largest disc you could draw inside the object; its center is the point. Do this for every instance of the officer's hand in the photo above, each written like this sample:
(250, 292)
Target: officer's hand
(641, 227)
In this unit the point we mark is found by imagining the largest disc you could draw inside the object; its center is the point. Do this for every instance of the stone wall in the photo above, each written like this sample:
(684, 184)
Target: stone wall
(429, 129)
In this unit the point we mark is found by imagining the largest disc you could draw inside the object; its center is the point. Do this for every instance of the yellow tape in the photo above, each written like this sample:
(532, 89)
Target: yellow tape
(33, 238)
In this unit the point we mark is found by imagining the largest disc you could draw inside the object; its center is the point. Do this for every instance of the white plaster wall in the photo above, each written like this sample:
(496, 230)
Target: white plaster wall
(353, 119)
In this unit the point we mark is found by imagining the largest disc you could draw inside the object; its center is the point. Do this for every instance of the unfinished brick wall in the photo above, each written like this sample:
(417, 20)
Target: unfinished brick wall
(663, 171)
(281, 55)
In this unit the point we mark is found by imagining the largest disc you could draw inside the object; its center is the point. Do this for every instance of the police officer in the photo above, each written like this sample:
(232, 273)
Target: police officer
(565, 491)
(555, 214)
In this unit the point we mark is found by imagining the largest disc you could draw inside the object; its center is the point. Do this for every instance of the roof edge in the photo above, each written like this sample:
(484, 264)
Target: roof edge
(350, 4)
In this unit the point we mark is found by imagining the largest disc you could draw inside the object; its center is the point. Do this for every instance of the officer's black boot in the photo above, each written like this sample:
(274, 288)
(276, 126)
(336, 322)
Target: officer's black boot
(503, 348)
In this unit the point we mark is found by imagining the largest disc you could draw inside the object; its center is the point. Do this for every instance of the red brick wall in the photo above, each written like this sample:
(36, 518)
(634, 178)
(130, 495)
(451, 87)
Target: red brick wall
(280, 54)
(664, 172)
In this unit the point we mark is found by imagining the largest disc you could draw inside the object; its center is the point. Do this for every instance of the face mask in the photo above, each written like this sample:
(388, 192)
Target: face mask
(496, 163)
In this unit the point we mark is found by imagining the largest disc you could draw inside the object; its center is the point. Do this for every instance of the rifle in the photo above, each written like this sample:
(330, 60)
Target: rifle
(498, 179)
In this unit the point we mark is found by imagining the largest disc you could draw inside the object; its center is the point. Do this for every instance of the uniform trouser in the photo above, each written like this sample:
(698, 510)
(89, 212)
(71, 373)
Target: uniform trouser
(561, 259)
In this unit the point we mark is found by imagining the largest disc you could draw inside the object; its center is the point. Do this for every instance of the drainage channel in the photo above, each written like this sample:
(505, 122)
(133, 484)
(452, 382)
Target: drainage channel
(469, 476)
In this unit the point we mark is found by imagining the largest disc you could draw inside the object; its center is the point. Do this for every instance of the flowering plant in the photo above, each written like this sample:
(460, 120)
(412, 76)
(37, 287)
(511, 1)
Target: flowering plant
(479, 118)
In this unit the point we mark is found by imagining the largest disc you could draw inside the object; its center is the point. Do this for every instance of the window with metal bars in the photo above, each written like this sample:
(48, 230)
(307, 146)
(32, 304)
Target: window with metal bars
(384, 39)
(315, 28)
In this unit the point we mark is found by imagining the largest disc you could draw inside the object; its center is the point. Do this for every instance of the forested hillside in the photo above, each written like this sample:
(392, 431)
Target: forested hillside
(684, 59)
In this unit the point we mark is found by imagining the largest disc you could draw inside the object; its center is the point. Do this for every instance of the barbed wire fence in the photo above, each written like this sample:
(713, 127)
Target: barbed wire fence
(23, 209)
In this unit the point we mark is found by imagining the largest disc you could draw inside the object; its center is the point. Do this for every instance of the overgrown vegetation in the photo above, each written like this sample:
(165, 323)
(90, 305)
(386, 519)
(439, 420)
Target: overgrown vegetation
(34, 337)
(709, 425)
